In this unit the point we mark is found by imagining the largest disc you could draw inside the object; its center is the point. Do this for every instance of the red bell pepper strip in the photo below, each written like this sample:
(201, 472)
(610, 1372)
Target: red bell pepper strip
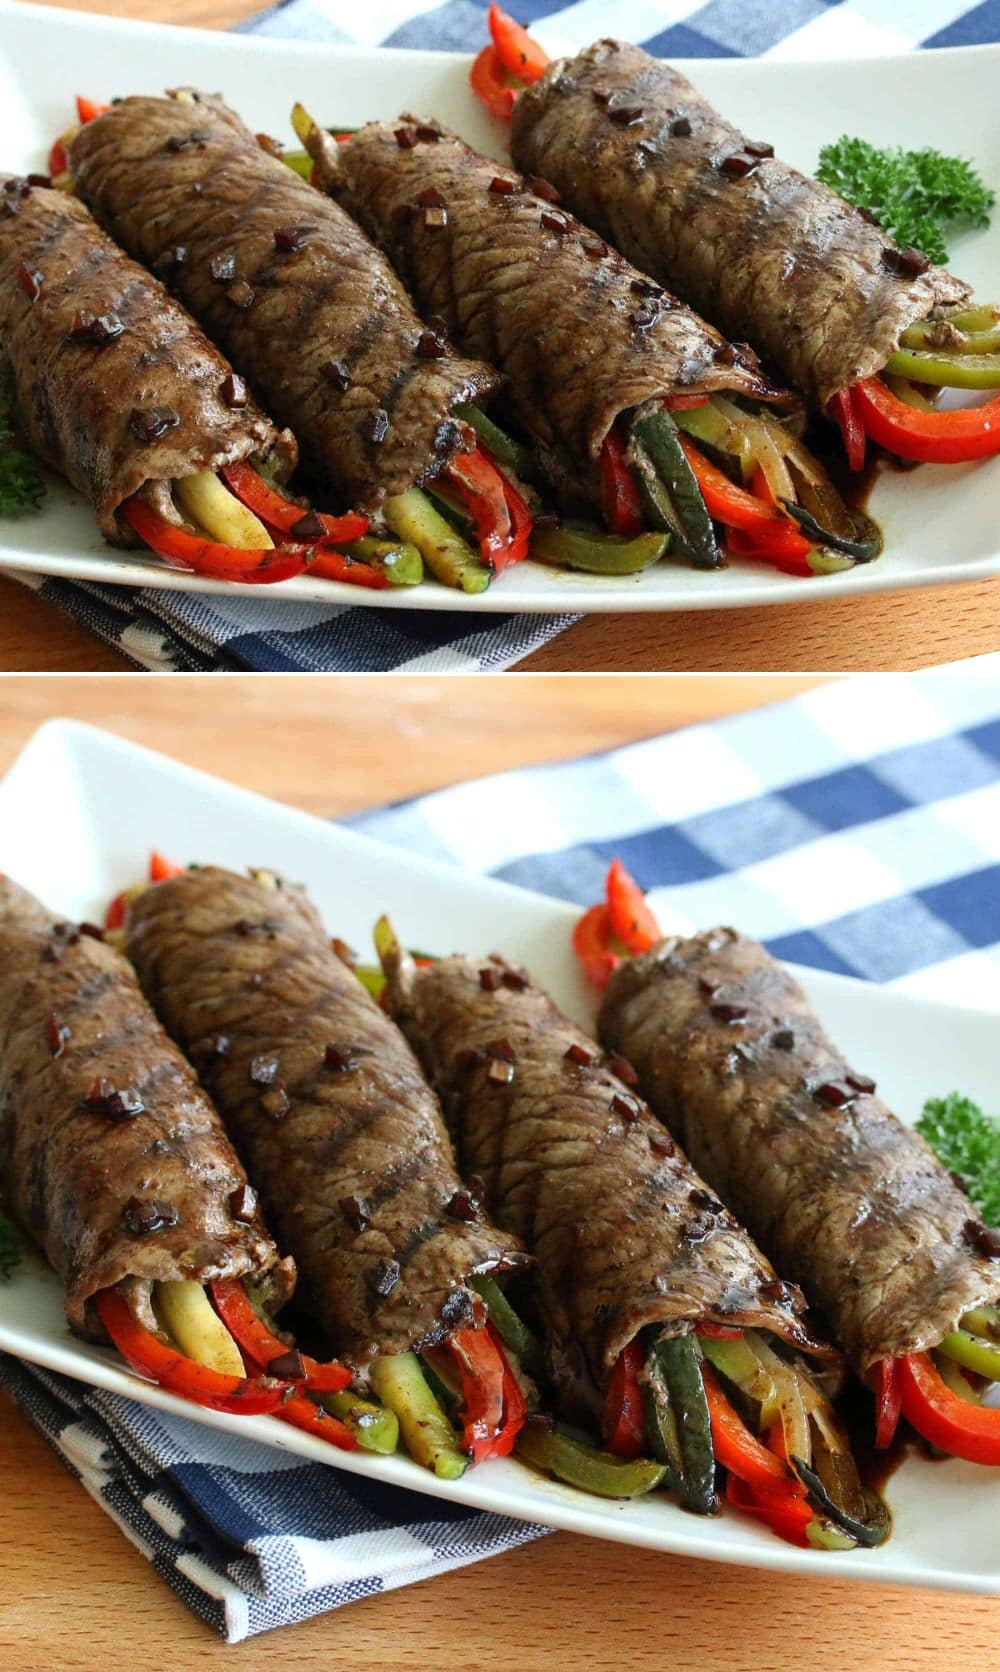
(148, 1356)
(303, 1413)
(728, 503)
(624, 1425)
(87, 109)
(591, 935)
(518, 53)
(740, 544)
(114, 917)
(338, 566)
(161, 870)
(206, 557)
(954, 436)
(887, 1380)
(515, 1408)
(481, 1370)
(58, 160)
(787, 1516)
(947, 1421)
(631, 918)
(621, 501)
(281, 514)
(740, 1451)
(844, 409)
(683, 403)
(718, 1332)
(489, 82)
(259, 1344)
(501, 517)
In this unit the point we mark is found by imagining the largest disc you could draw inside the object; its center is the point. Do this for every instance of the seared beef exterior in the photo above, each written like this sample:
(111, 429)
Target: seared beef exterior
(581, 336)
(623, 1231)
(112, 1158)
(113, 384)
(326, 1103)
(847, 1201)
(286, 282)
(762, 251)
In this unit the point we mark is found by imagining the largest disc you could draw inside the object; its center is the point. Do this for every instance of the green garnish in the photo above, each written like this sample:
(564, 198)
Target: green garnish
(10, 1248)
(967, 1141)
(21, 483)
(914, 195)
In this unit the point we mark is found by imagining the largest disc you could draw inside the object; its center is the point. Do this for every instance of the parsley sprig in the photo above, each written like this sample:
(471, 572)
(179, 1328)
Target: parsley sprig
(916, 196)
(967, 1141)
(21, 483)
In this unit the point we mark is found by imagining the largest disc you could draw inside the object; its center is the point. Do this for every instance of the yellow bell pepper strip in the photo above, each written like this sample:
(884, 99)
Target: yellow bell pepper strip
(148, 1356)
(267, 1351)
(942, 1417)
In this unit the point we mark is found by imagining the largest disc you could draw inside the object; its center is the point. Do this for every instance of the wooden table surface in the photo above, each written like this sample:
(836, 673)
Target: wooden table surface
(73, 1593)
(900, 630)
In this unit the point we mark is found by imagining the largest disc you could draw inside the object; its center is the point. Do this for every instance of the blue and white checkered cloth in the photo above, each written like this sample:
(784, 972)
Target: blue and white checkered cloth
(167, 631)
(856, 828)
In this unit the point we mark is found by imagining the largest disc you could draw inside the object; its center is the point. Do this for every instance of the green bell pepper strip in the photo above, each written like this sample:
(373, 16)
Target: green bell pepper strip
(679, 1361)
(449, 558)
(300, 162)
(973, 1353)
(545, 1448)
(371, 978)
(595, 552)
(426, 1432)
(654, 442)
(399, 562)
(950, 371)
(513, 454)
(375, 1427)
(513, 1332)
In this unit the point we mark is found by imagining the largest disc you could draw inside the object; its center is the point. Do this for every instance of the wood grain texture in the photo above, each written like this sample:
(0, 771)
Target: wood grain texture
(899, 630)
(74, 1594)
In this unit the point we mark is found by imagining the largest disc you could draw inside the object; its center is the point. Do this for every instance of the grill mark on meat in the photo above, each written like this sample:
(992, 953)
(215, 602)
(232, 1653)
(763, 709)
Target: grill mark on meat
(513, 291)
(619, 1241)
(334, 297)
(774, 257)
(371, 1132)
(850, 1203)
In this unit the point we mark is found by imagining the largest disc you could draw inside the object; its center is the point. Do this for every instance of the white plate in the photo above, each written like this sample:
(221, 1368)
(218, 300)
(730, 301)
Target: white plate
(81, 793)
(940, 523)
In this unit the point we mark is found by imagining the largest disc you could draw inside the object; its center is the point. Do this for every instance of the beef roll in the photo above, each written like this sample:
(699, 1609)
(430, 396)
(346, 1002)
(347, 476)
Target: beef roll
(327, 1106)
(763, 251)
(113, 384)
(287, 284)
(849, 1202)
(113, 1160)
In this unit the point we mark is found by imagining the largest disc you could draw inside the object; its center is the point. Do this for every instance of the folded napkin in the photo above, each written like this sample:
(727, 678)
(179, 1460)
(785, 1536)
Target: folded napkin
(186, 632)
(856, 828)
